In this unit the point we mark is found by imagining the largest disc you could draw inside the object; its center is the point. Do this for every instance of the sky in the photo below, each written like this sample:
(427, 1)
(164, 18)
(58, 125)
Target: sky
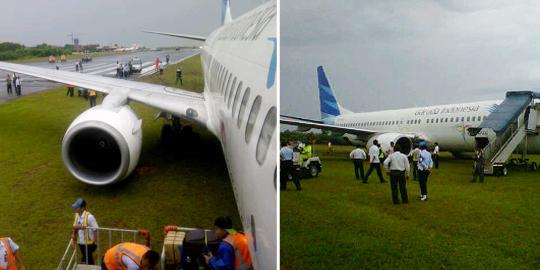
(397, 54)
(106, 22)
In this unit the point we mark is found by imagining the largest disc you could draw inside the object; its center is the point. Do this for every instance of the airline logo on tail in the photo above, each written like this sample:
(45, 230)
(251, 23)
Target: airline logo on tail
(329, 106)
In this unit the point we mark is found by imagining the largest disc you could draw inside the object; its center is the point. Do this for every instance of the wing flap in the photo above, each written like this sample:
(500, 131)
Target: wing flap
(303, 122)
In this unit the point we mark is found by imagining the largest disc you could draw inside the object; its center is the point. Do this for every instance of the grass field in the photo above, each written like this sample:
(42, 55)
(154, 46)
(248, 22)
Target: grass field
(186, 185)
(337, 222)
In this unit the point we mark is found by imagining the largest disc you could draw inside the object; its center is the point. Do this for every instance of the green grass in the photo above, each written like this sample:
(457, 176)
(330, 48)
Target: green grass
(338, 223)
(68, 57)
(188, 185)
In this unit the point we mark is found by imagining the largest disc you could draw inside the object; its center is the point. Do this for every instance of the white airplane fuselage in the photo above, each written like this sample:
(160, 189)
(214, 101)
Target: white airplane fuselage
(239, 62)
(445, 124)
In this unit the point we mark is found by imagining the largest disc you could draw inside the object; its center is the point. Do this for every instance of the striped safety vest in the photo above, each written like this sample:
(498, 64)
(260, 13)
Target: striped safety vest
(113, 256)
(242, 257)
(85, 225)
(10, 258)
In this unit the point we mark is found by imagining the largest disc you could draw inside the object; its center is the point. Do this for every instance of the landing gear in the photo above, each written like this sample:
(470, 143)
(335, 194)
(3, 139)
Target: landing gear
(500, 171)
(534, 166)
(176, 134)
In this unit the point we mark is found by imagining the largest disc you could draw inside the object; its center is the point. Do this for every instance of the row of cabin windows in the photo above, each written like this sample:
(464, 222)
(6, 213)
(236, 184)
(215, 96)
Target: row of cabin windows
(417, 121)
(235, 95)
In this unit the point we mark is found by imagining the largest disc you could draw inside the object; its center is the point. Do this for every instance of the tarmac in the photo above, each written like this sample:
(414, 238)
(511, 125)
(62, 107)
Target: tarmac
(104, 65)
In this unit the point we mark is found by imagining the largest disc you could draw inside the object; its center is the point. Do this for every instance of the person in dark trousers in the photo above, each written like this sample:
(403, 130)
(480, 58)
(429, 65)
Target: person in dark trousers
(18, 87)
(287, 166)
(415, 155)
(358, 156)
(70, 90)
(436, 155)
(425, 163)
(398, 165)
(84, 237)
(374, 162)
(179, 76)
(233, 251)
(8, 85)
(478, 166)
(92, 96)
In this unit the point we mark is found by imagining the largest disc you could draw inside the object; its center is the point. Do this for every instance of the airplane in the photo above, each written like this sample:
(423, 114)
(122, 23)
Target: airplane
(238, 105)
(128, 49)
(445, 124)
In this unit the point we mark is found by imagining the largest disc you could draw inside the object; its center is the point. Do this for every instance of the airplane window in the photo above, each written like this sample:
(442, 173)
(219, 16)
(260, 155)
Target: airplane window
(436, 120)
(468, 118)
(473, 118)
(242, 108)
(457, 119)
(419, 121)
(223, 81)
(252, 117)
(265, 137)
(446, 120)
(226, 90)
(236, 98)
(218, 78)
(462, 119)
(233, 86)
(407, 122)
(479, 118)
(451, 119)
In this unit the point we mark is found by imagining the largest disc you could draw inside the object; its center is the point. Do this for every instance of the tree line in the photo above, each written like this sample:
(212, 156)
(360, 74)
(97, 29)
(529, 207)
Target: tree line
(14, 51)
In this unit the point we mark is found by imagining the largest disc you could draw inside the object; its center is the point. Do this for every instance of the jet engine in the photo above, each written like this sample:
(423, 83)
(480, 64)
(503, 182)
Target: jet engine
(103, 145)
(404, 142)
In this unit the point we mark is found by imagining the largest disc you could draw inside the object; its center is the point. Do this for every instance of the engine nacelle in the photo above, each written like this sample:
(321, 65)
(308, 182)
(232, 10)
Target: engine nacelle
(404, 142)
(103, 145)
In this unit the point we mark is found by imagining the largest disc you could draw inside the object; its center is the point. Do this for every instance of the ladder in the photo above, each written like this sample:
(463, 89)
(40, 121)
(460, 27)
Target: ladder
(500, 134)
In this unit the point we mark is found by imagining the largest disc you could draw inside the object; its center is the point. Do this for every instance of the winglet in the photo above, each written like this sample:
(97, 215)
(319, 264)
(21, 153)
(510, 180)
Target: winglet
(226, 12)
(330, 108)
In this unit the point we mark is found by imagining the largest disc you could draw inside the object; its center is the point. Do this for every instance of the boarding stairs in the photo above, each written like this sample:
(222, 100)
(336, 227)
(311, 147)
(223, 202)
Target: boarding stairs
(71, 261)
(506, 128)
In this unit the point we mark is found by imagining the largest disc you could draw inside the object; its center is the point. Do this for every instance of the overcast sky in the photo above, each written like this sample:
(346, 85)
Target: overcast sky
(106, 22)
(396, 54)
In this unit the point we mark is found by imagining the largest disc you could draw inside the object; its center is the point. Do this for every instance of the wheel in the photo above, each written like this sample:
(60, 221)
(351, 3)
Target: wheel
(500, 171)
(533, 166)
(313, 170)
(167, 134)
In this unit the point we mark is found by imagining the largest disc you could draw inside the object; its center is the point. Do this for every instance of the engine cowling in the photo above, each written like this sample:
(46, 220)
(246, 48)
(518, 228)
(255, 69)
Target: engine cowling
(103, 145)
(404, 142)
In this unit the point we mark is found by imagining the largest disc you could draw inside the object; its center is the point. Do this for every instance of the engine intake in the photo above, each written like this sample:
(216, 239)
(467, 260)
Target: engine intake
(103, 145)
(404, 142)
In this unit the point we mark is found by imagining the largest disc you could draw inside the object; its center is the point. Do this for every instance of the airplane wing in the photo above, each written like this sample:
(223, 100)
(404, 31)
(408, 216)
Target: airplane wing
(181, 103)
(303, 122)
(199, 38)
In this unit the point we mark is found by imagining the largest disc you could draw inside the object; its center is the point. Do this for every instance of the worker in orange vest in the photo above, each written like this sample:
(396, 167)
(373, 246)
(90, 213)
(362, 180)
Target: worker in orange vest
(233, 251)
(10, 259)
(130, 256)
(92, 96)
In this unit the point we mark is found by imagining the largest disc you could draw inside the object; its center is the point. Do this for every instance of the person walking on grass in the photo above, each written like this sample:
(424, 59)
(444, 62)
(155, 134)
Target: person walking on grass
(8, 84)
(478, 166)
(358, 156)
(425, 163)
(374, 162)
(397, 164)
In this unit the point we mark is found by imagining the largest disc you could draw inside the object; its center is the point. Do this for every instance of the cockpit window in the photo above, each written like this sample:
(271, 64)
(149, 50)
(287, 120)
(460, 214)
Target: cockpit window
(267, 132)
(252, 117)
(245, 99)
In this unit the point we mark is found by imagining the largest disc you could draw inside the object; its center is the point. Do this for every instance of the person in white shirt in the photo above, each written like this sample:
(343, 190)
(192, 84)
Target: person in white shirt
(10, 257)
(390, 149)
(358, 156)
(398, 166)
(86, 238)
(435, 155)
(374, 162)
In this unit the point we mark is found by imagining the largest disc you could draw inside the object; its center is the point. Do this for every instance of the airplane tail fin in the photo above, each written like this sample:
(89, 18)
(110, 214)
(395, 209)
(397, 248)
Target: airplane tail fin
(225, 12)
(330, 108)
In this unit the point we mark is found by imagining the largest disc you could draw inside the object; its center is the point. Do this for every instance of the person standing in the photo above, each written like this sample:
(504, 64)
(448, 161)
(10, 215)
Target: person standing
(179, 76)
(478, 166)
(436, 155)
(70, 90)
(92, 95)
(157, 64)
(330, 149)
(233, 251)
(398, 165)
(160, 68)
(10, 258)
(85, 238)
(415, 156)
(287, 166)
(126, 71)
(390, 150)
(14, 82)
(77, 66)
(358, 156)
(374, 162)
(118, 70)
(425, 163)
(167, 58)
(8, 84)
(18, 88)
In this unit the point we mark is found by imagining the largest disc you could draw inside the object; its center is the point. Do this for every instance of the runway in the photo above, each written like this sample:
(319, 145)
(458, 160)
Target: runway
(104, 65)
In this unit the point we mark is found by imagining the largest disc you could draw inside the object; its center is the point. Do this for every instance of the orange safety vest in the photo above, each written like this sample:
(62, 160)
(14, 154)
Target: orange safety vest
(10, 258)
(113, 256)
(242, 257)
(92, 93)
